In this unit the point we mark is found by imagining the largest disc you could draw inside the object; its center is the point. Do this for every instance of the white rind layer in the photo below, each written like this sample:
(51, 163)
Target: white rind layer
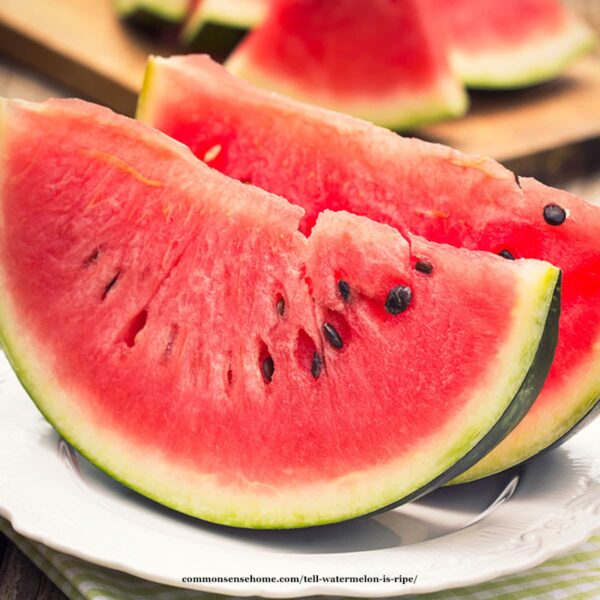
(576, 399)
(526, 64)
(244, 14)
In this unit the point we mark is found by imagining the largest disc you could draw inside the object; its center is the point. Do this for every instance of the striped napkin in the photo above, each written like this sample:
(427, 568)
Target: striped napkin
(574, 577)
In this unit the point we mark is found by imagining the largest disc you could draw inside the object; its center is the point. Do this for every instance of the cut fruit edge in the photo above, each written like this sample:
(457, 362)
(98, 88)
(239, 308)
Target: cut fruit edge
(526, 64)
(362, 492)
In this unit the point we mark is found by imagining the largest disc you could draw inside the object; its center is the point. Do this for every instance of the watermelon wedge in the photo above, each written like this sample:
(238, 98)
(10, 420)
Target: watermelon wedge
(218, 25)
(331, 54)
(320, 160)
(513, 43)
(179, 330)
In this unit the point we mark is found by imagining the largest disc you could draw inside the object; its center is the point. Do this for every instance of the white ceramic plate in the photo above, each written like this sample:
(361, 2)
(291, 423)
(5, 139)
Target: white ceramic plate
(454, 537)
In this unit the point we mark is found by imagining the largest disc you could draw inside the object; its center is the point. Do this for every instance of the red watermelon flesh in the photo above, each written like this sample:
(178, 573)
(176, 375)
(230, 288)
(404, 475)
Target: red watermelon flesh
(511, 43)
(475, 23)
(387, 64)
(320, 160)
(175, 326)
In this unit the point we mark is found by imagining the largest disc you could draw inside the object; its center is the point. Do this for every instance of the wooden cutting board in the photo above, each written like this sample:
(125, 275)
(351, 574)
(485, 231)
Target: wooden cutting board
(82, 44)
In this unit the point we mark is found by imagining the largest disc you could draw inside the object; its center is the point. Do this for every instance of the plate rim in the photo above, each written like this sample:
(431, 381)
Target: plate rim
(561, 530)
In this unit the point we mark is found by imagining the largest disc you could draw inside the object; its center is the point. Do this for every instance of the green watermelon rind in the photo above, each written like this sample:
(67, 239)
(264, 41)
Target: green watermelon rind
(220, 16)
(526, 396)
(570, 44)
(173, 12)
(586, 412)
(216, 39)
(587, 409)
(142, 469)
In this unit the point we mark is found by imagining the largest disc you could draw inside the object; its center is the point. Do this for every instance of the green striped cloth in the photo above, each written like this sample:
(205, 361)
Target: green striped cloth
(576, 577)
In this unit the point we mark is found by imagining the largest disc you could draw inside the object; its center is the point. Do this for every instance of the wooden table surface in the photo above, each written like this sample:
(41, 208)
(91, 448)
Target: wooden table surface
(82, 44)
(19, 578)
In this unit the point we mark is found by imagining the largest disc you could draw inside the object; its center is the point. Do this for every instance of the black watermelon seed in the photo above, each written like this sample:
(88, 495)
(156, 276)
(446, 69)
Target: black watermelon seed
(554, 214)
(280, 306)
(316, 365)
(506, 254)
(398, 299)
(110, 285)
(424, 267)
(344, 289)
(333, 337)
(268, 368)
(93, 257)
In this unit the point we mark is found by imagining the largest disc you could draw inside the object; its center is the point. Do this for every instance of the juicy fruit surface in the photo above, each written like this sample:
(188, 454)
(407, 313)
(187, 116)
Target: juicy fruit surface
(321, 160)
(572, 389)
(167, 320)
(308, 49)
(482, 24)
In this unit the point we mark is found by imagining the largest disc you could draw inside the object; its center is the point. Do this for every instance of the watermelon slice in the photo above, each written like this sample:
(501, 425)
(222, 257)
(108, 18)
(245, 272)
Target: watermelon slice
(180, 331)
(218, 25)
(152, 14)
(331, 54)
(513, 43)
(319, 160)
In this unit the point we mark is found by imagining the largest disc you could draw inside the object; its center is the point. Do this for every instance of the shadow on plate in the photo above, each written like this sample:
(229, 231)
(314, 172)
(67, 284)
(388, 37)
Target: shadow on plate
(440, 513)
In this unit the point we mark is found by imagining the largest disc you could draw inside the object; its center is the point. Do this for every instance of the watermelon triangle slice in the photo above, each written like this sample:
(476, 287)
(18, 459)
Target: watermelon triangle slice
(387, 64)
(179, 330)
(319, 160)
(513, 43)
